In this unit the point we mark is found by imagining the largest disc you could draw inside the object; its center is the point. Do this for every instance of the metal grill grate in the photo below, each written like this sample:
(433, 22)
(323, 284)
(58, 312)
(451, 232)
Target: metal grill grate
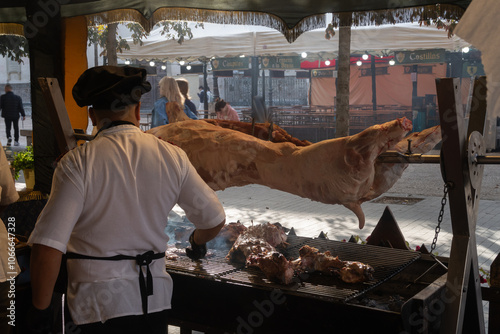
(387, 262)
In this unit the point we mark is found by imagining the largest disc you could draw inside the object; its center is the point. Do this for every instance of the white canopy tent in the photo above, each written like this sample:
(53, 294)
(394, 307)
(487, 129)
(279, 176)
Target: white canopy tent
(234, 40)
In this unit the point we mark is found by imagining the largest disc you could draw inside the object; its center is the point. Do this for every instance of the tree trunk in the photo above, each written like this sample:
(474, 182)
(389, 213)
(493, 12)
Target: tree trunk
(96, 55)
(111, 44)
(343, 76)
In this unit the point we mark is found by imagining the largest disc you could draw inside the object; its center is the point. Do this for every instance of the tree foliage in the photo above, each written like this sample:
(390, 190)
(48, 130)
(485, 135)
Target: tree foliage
(13, 47)
(176, 30)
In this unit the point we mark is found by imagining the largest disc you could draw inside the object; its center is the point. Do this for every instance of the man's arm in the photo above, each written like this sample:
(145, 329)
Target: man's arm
(45, 264)
(21, 108)
(203, 236)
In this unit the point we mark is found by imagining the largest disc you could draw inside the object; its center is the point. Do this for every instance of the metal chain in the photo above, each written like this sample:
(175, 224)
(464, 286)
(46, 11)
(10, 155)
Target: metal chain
(447, 186)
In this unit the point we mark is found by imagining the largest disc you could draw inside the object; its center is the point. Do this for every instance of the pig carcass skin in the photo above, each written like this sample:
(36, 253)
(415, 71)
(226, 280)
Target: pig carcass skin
(335, 171)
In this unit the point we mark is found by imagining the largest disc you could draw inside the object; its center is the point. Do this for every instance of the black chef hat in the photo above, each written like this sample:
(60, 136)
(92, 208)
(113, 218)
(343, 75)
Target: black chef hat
(110, 87)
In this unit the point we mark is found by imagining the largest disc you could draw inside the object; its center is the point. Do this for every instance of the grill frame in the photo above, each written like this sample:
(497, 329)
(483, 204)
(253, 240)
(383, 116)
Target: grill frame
(215, 304)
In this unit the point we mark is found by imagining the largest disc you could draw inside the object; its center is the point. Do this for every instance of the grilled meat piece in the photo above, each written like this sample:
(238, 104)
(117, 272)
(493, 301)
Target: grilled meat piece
(247, 245)
(271, 233)
(349, 271)
(274, 265)
(257, 239)
(355, 272)
(312, 260)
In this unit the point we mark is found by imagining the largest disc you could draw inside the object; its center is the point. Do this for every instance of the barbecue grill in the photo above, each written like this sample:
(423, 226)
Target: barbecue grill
(238, 297)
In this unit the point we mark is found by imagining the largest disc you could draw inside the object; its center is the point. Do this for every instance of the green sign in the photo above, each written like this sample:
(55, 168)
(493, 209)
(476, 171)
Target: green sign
(420, 56)
(472, 70)
(322, 73)
(224, 64)
(281, 63)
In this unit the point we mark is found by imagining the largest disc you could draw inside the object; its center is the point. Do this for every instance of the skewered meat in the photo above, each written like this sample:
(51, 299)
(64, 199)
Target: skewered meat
(274, 265)
(257, 240)
(336, 171)
(349, 271)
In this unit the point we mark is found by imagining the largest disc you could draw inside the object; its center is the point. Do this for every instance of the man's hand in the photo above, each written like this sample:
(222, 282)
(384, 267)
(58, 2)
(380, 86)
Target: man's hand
(24, 118)
(195, 251)
(39, 321)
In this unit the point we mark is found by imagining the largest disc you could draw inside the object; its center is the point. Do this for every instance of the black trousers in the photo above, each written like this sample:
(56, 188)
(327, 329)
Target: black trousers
(154, 323)
(8, 126)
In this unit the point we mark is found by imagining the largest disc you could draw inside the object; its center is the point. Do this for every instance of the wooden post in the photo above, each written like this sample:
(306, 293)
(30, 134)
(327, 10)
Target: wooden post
(463, 308)
(43, 31)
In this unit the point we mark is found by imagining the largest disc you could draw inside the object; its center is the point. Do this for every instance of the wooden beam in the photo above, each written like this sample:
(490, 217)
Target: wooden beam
(463, 311)
(59, 116)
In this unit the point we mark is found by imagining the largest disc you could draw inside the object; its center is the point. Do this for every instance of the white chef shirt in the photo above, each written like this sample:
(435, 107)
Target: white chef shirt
(112, 196)
(8, 195)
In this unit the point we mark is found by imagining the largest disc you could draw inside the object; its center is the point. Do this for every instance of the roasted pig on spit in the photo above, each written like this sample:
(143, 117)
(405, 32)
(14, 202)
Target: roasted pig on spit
(336, 171)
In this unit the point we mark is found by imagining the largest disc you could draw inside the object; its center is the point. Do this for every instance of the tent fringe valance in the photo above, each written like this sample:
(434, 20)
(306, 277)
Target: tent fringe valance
(402, 15)
(210, 16)
(240, 18)
(11, 29)
(118, 15)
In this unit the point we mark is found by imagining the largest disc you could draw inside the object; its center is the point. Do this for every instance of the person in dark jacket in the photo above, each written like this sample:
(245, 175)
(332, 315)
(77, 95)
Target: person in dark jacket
(12, 107)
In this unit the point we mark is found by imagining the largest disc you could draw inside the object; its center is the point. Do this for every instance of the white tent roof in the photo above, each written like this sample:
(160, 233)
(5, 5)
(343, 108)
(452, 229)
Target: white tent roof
(233, 40)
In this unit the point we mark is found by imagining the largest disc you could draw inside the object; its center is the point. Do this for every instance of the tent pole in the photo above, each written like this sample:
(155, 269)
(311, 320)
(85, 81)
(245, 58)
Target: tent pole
(374, 82)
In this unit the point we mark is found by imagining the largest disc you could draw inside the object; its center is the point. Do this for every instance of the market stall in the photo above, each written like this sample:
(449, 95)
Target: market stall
(460, 147)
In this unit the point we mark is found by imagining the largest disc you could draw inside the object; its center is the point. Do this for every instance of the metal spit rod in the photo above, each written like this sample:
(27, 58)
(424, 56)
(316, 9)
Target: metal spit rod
(396, 157)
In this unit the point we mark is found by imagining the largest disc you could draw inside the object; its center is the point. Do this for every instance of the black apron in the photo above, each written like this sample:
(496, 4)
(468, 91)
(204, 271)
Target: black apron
(145, 259)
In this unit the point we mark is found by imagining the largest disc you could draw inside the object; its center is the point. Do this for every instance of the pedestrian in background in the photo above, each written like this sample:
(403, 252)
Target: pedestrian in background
(184, 88)
(202, 96)
(12, 106)
(225, 111)
(169, 92)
